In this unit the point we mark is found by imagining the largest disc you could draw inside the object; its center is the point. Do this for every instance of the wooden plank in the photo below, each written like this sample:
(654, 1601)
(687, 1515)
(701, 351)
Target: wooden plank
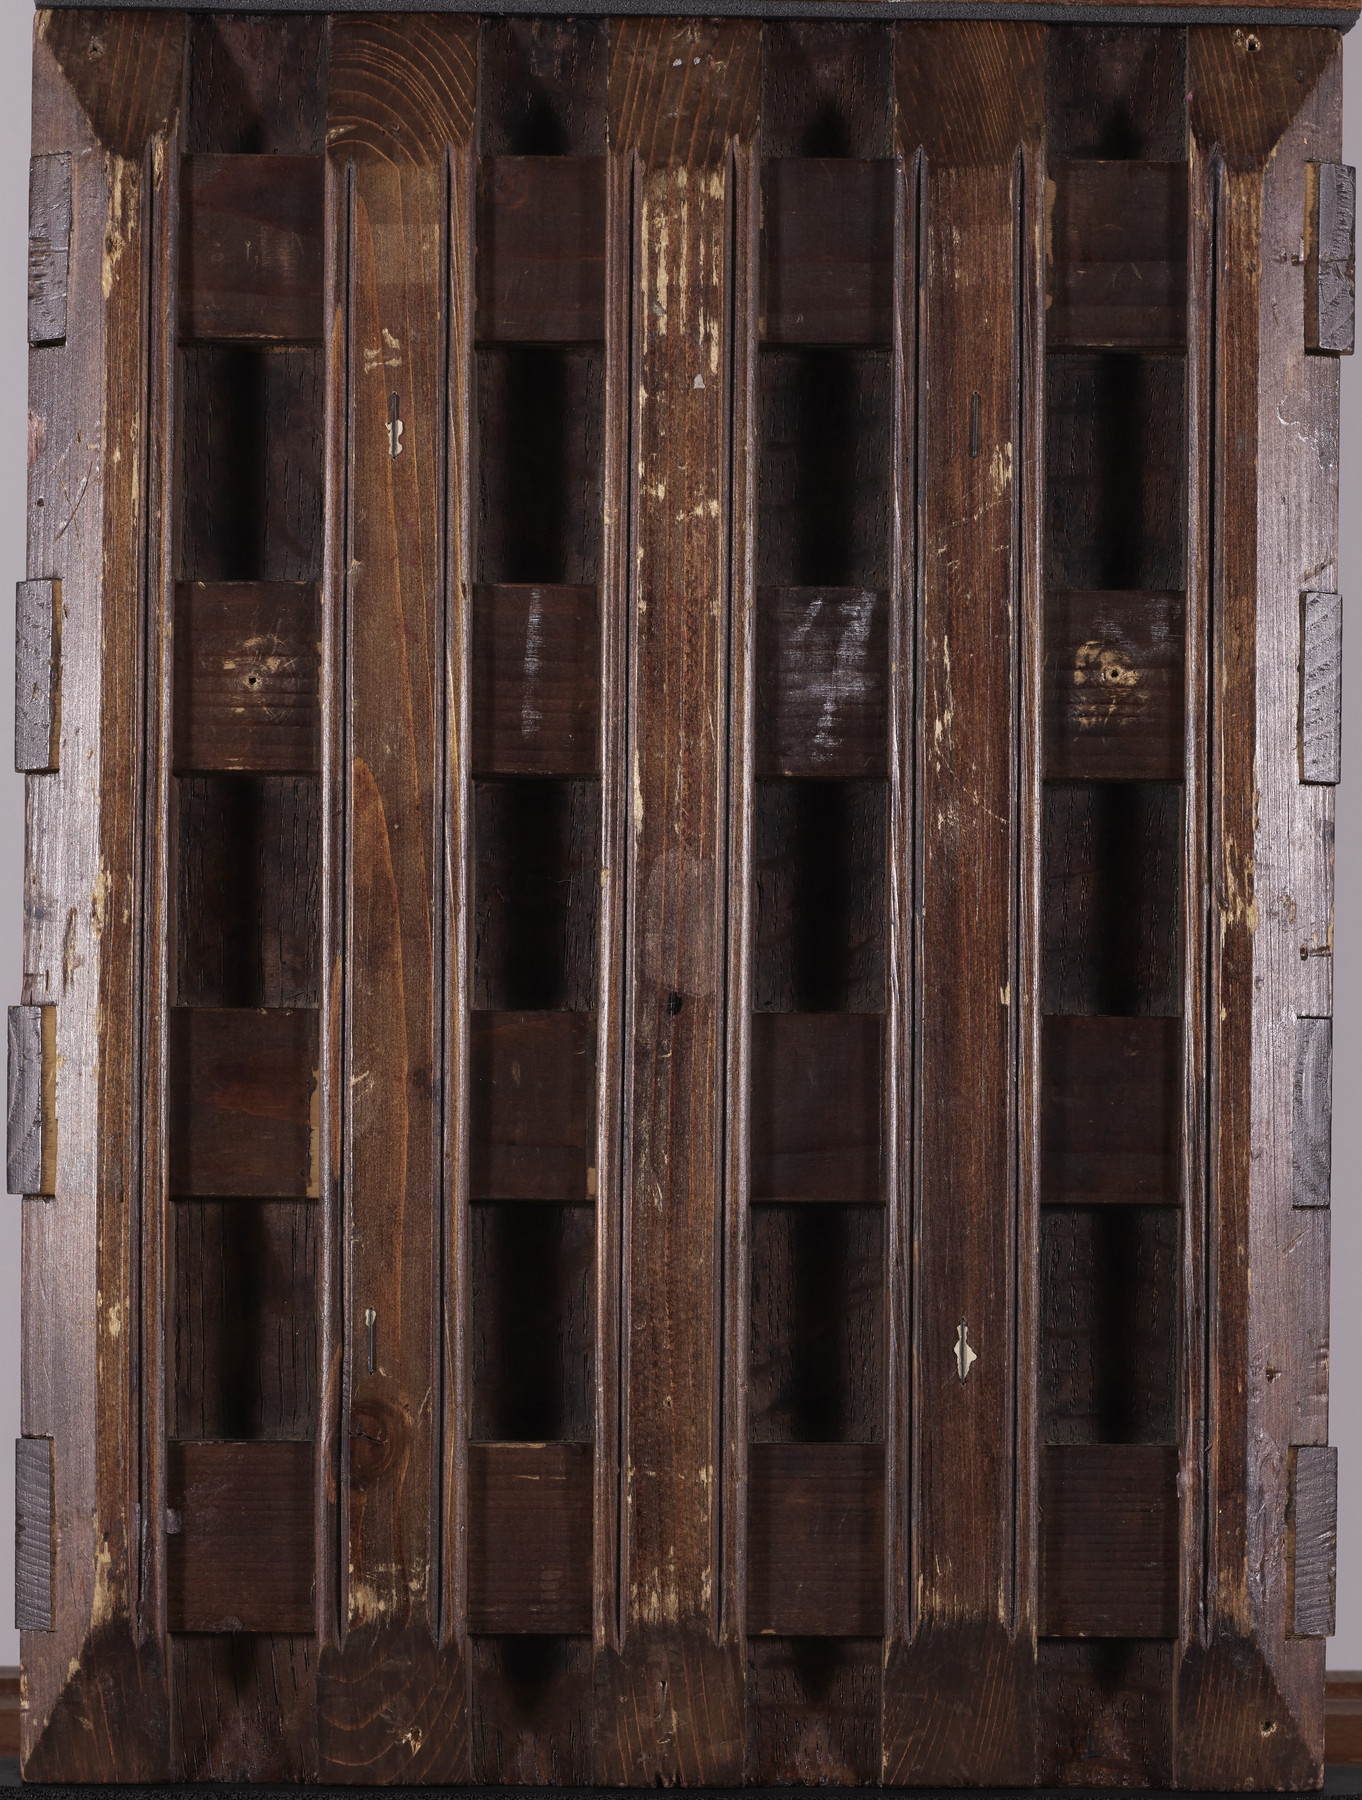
(248, 890)
(1114, 680)
(816, 1371)
(531, 1106)
(1312, 1095)
(817, 1106)
(49, 247)
(1116, 246)
(35, 1533)
(541, 249)
(822, 682)
(1111, 1111)
(247, 677)
(959, 1669)
(682, 109)
(1312, 1539)
(240, 1524)
(243, 1284)
(251, 249)
(532, 1322)
(529, 1710)
(827, 273)
(536, 680)
(31, 1116)
(1109, 1540)
(1106, 1713)
(1321, 703)
(813, 1710)
(1330, 255)
(815, 1540)
(529, 1537)
(37, 677)
(392, 1683)
(242, 1102)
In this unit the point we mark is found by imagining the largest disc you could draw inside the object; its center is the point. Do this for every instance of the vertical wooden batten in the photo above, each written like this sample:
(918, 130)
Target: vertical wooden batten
(669, 1692)
(959, 1678)
(391, 1691)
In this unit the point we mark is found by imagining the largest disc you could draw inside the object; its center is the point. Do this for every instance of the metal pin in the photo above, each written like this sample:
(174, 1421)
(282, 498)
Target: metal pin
(394, 429)
(965, 1358)
(974, 425)
(370, 1319)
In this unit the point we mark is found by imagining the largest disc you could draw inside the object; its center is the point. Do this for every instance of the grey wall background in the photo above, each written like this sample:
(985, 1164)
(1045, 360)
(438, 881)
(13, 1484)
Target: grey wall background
(1345, 1651)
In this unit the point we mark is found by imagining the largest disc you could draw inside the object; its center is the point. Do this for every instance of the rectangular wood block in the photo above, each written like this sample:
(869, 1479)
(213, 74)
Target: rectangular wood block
(240, 1535)
(1312, 1113)
(1330, 252)
(31, 1120)
(532, 1106)
(816, 1107)
(1312, 1539)
(529, 1537)
(822, 682)
(1114, 678)
(1321, 691)
(34, 1533)
(1109, 1540)
(242, 1103)
(37, 676)
(815, 1540)
(49, 247)
(541, 249)
(1117, 254)
(827, 250)
(251, 248)
(1111, 1110)
(536, 680)
(247, 677)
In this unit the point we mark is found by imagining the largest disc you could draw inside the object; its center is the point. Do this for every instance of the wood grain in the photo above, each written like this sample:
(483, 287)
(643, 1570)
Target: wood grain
(30, 1116)
(536, 680)
(1312, 1539)
(251, 249)
(817, 1106)
(239, 1524)
(813, 1710)
(529, 1710)
(242, 1102)
(49, 247)
(37, 677)
(1312, 1112)
(247, 692)
(256, 85)
(542, 86)
(1330, 257)
(1114, 686)
(827, 273)
(827, 88)
(822, 682)
(1117, 91)
(1110, 1118)
(1109, 1540)
(1116, 245)
(815, 1540)
(244, 1705)
(531, 1106)
(1321, 702)
(1105, 1712)
(529, 1537)
(35, 1535)
(541, 249)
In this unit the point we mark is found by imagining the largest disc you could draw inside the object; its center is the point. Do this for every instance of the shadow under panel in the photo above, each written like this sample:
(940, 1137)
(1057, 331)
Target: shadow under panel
(244, 1706)
(241, 1103)
(536, 680)
(1110, 1111)
(244, 1328)
(1115, 470)
(827, 89)
(816, 1373)
(251, 248)
(824, 469)
(820, 852)
(1117, 238)
(815, 1540)
(530, 1705)
(1112, 866)
(1109, 1540)
(530, 1538)
(248, 677)
(248, 890)
(532, 1106)
(822, 681)
(813, 1710)
(250, 487)
(540, 463)
(536, 894)
(1117, 91)
(1106, 1713)
(240, 1537)
(1109, 1324)
(256, 85)
(541, 249)
(816, 1086)
(531, 1350)
(1114, 680)
(542, 86)
(827, 252)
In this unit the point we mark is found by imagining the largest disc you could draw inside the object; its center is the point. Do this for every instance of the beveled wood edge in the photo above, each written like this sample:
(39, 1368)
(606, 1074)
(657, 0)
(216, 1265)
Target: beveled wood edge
(1340, 14)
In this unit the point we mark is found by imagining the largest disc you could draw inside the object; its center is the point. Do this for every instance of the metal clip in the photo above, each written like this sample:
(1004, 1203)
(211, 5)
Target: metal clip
(370, 1319)
(965, 1358)
(394, 429)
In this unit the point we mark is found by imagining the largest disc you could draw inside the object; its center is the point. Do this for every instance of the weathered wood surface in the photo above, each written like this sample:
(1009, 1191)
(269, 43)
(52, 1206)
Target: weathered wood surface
(813, 1710)
(959, 1673)
(246, 677)
(242, 1102)
(529, 1530)
(1312, 1112)
(49, 247)
(391, 1685)
(30, 1117)
(817, 1106)
(1321, 699)
(1312, 1539)
(531, 1106)
(1116, 245)
(37, 676)
(1330, 257)
(251, 248)
(239, 1522)
(536, 680)
(827, 272)
(35, 1537)
(1335, 13)
(815, 1540)
(1114, 679)
(1109, 1540)
(541, 249)
(1110, 1110)
(822, 682)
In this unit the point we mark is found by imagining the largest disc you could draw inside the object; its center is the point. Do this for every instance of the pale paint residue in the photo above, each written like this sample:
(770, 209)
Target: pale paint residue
(1108, 680)
(107, 1601)
(1005, 993)
(99, 898)
(121, 222)
(387, 356)
(114, 1317)
(1240, 903)
(1000, 469)
(638, 794)
(946, 717)
(530, 715)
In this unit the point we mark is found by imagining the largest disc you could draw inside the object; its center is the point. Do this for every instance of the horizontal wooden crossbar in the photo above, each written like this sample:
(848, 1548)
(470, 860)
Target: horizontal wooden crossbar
(1341, 17)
